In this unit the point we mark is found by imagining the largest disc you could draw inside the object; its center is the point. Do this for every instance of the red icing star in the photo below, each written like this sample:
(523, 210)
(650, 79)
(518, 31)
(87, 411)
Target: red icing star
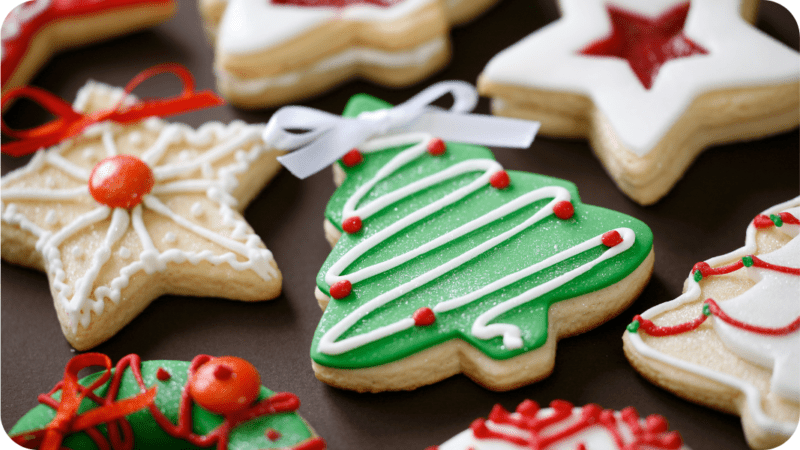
(646, 43)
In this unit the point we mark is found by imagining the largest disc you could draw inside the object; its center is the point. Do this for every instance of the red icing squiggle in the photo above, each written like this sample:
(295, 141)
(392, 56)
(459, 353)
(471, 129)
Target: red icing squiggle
(111, 413)
(541, 432)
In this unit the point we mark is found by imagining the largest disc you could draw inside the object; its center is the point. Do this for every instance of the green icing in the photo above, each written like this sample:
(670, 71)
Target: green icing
(533, 245)
(147, 434)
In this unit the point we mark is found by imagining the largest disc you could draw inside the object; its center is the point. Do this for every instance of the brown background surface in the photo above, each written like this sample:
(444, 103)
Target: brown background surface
(705, 215)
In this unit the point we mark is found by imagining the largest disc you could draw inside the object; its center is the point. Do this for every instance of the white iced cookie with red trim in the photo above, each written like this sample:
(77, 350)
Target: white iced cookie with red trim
(650, 84)
(565, 427)
(35, 30)
(121, 214)
(746, 359)
(271, 52)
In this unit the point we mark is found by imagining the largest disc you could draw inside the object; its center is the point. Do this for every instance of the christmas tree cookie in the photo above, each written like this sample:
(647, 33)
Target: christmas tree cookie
(445, 263)
(208, 403)
(122, 213)
(732, 340)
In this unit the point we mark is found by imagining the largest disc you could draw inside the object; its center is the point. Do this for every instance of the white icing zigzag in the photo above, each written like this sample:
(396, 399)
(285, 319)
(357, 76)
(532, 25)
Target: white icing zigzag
(328, 344)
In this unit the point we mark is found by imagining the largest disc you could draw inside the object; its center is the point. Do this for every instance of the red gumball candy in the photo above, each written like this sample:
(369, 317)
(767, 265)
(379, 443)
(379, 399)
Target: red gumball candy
(225, 385)
(500, 180)
(121, 181)
(352, 224)
(611, 238)
(424, 317)
(341, 289)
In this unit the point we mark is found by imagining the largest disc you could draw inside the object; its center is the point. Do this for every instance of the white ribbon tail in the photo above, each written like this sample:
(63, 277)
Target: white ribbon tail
(478, 129)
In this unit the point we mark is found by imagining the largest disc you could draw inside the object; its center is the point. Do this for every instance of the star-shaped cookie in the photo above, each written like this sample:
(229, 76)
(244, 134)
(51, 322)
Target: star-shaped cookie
(122, 214)
(270, 52)
(35, 30)
(650, 84)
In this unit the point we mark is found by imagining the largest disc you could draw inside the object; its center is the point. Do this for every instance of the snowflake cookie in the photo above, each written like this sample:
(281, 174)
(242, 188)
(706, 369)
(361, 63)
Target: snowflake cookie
(122, 214)
(270, 52)
(649, 83)
(446, 263)
(746, 358)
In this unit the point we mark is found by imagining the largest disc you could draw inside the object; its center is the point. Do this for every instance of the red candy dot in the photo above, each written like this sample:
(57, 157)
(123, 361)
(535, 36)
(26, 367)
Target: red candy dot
(424, 316)
(500, 180)
(762, 221)
(611, 238)
(702, 266)
(436, 147)
(162, 374)
(656, 423)
(121, 181)
(341, 289)
(225, 385)
(352, 158)
(273, 435)
(563, 210)
(352, 224)
(672, 440)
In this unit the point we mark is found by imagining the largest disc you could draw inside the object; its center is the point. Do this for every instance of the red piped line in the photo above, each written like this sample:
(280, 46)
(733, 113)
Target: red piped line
(779, 331)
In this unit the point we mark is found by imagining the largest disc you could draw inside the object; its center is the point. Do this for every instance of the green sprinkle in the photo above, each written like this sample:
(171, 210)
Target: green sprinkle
(776, 219)
(748, 261)
(633, 327)
(698, 275)
(706, 310)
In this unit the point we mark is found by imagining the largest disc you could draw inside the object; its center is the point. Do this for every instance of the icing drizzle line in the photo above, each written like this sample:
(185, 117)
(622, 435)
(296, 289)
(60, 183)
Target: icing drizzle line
(511, 334)
(120, 433)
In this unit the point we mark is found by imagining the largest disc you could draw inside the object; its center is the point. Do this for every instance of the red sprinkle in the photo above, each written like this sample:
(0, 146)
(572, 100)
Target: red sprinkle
(656, 423)
(352, 224)
(352, 158)
(611, 238)
(789, 218)
(273, 435)
(162, 374)
(341, 289)
(703, 267)
(436, 147)
(563, 210)
(500, 180)
(424, 316)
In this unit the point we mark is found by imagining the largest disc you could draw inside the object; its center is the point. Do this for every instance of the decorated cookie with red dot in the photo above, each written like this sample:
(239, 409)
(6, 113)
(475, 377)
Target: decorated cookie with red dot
(445, 261)
(272, 52)
(123, 212)
(35, 30)
(210, 402)
(650, 84)
(735, 330)
(563, 426)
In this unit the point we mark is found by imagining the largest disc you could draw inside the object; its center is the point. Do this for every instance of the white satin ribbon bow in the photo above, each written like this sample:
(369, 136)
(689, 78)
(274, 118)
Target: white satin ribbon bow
(330, 136)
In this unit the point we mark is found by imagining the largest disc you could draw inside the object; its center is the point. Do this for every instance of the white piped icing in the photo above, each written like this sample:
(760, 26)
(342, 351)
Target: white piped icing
(481, 329)
(739, 55)
(779, 353)
(50, 218)
(79, 297)
(170, 237)
(197, 209)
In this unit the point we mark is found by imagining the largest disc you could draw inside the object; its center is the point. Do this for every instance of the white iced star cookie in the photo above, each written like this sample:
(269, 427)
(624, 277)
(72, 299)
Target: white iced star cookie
(650, 84)
(122, 214)
(746, 359)
(271, 52)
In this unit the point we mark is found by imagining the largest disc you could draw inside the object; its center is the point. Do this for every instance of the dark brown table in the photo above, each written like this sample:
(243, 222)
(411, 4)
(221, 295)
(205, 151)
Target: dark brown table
(705, 215)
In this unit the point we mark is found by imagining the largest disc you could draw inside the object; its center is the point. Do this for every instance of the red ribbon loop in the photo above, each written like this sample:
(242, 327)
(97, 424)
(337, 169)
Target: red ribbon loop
(67, 419)
(69, 123)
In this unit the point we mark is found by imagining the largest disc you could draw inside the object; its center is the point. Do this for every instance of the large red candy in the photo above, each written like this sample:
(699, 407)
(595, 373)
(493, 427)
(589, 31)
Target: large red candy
(225, 385)
(121, 181)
